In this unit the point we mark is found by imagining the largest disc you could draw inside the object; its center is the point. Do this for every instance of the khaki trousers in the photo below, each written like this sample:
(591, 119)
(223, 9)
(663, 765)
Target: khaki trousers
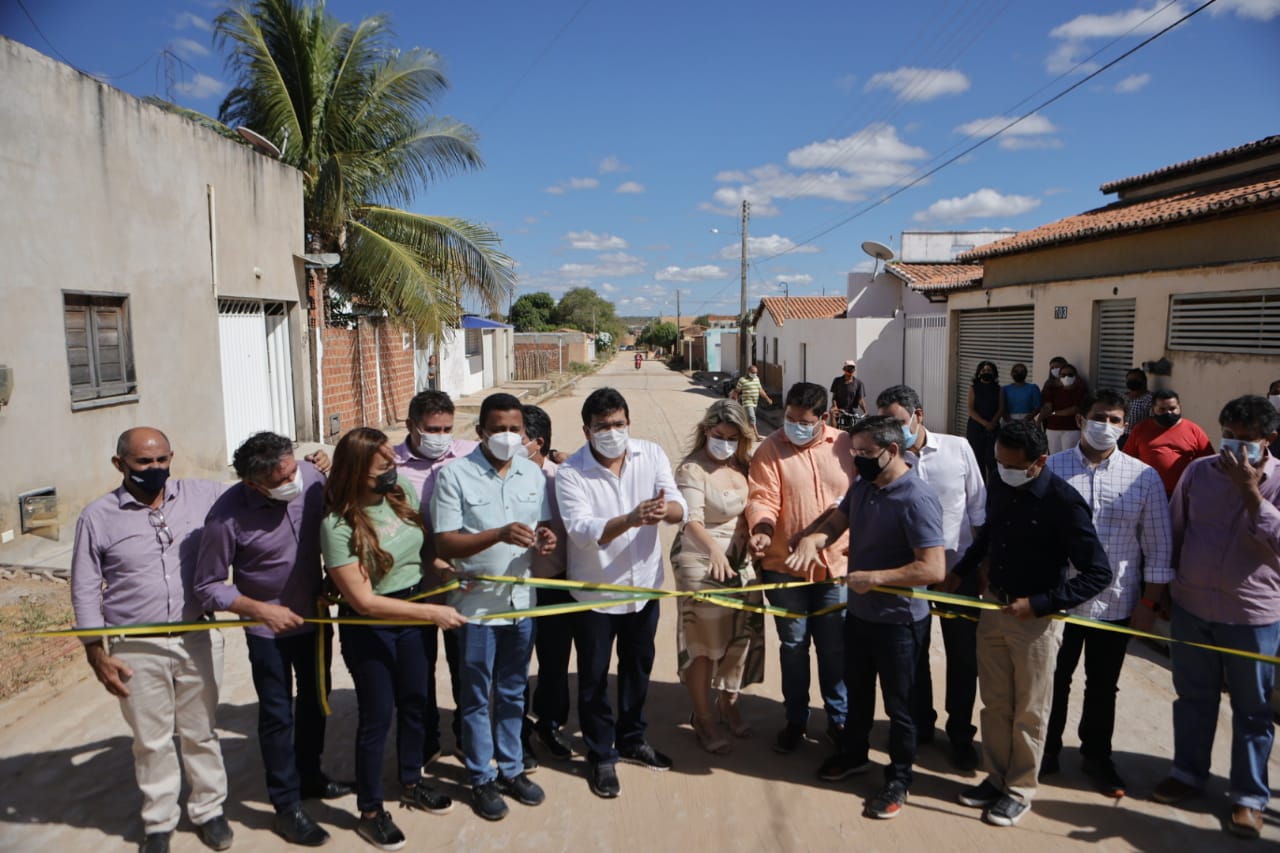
(1016, 661)
(174, 690)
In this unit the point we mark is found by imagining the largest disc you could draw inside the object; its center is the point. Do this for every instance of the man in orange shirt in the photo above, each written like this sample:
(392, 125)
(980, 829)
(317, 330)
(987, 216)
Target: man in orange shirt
(798, 476)
(1167, 441)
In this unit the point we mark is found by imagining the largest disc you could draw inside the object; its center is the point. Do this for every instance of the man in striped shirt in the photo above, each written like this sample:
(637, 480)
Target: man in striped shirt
(1131, 516)
(748, 392)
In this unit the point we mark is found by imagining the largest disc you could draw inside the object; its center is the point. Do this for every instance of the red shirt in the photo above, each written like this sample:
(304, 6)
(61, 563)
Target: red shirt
(1061, 397)
(1170, 450)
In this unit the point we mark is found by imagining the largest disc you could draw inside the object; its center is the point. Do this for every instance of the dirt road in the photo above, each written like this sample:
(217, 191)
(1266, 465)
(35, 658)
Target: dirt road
(66, 778)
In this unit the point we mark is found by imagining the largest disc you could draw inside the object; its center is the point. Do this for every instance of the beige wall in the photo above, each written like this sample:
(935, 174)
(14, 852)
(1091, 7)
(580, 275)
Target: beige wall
(1204, 381)
(105, 193)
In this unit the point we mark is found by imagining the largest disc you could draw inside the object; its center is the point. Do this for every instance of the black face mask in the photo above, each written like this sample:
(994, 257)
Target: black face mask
(868, 468)
(384, 482)
(149, 480)
(1019, 376)
(1135, 384)
(1167, 419)
(987, 377)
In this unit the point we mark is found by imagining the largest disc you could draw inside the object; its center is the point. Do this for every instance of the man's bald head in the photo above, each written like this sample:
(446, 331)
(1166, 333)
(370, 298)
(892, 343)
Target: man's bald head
(142, 441)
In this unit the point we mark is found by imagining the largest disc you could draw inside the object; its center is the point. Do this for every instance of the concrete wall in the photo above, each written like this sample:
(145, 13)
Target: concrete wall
(105, 193)
(940, 247)
(1203, 380)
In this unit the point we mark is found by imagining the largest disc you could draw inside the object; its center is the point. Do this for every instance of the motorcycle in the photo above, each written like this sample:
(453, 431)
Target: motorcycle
(846, 420)
(639, 358)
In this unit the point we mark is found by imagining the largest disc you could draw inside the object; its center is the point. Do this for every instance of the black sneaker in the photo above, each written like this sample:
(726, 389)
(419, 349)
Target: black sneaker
(603, 779)
(487, 801)
(842, 765)
(155, 842)
(1006, 812)
(380, 831)
(216, 834)
(1104, 776)
(553, 739)
(964, 756)
(789, 739)
(526, 792)
(423, 795)
(324, 788)
(296, 826)
(1049, 764)
(980, 796)
(888, 802)
(645, 756)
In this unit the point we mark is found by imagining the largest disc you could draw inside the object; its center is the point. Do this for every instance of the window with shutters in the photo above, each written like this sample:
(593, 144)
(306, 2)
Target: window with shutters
(99, 349)
(1246, 322)
(473, 338)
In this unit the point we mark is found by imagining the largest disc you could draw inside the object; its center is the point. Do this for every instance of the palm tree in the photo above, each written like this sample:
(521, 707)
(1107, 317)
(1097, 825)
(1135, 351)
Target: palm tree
(351, 112)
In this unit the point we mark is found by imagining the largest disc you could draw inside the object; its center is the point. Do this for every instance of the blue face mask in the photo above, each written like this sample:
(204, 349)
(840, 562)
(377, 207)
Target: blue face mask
(908, 437)
(799, 434)
(1237, 446)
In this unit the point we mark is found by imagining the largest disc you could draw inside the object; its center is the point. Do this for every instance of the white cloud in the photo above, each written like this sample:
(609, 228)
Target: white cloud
(201, 86)
(1137, 21)
(1132, 83)
(797, 278)
(531, 220)
(554, 190)
(772, 245)
(1034, 131)
(1029, 143)
(1258, 10)
(188, 47)
(187, 19)
(612, 164)
(870, 150)
(630, 187)
(919, 84)
(983, 203)
(846, 82)
(609, 288)
(1066, 57)
(594, 241)
(572, 184)
(609, 265)
(709, 272)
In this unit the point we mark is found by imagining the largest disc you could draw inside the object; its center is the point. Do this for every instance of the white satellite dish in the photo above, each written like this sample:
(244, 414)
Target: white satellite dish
(260, 143)
(879, 251)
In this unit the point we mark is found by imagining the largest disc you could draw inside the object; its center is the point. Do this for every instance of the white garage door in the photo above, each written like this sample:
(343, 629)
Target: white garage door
(257, 369)
(1005, 336)
(1112, 343)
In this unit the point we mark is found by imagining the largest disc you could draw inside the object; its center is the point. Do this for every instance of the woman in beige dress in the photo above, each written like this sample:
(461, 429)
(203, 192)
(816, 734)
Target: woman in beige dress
(720, 648)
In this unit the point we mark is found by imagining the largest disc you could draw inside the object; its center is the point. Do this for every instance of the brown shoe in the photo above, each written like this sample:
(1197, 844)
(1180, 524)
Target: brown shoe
(1245, 822)
(1173, 791)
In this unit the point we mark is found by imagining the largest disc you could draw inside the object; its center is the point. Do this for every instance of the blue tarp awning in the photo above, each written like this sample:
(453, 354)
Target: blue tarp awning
(470, 321)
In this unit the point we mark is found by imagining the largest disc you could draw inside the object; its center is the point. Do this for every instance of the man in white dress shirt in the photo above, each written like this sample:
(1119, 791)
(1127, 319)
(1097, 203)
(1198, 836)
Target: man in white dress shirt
(948, 465)
(613, 494)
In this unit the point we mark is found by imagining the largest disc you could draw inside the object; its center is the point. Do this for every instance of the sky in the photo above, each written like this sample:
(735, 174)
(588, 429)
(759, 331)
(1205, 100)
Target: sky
(620, 138)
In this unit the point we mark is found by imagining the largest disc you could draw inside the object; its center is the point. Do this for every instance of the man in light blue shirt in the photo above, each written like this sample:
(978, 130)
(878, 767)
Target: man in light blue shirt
(490, 514)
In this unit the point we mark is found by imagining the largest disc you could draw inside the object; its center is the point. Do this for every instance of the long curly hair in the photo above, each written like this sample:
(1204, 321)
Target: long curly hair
(732, 413)
(349, 494)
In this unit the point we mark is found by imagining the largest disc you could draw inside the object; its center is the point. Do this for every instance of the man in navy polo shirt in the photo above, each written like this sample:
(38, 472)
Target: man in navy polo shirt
(896, 539)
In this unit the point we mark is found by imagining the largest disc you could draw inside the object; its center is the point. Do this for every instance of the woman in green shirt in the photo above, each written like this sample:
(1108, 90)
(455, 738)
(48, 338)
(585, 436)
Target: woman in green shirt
(372, 543)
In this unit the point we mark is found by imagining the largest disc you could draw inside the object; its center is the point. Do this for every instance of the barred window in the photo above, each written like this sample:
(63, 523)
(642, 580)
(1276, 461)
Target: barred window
(1246, 322)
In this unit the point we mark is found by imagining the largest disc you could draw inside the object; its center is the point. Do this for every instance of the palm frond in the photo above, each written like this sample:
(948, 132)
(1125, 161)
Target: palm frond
(380, 270)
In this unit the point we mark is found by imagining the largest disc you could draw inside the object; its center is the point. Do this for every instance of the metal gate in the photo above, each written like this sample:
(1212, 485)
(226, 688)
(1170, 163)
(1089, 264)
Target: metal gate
(257, 369)
(924, 365)
(1113, 321)
(1005, 336)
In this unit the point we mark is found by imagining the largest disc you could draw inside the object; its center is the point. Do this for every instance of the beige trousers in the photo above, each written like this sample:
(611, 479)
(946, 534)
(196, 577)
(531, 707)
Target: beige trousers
(174, 690)
(1016, 660)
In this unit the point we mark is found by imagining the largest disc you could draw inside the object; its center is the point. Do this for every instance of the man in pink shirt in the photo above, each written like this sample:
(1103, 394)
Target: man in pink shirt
(798, 475)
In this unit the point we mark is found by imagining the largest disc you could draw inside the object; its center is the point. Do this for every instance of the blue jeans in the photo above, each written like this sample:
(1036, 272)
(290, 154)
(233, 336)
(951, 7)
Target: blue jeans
(827, 633)
(892, 652)
(494, 667)
(1197, 679)
(290, 735)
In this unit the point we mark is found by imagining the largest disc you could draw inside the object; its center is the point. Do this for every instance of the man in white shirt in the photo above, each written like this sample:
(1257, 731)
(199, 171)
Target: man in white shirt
(1131, 516)
(613, 494)
(948, 465)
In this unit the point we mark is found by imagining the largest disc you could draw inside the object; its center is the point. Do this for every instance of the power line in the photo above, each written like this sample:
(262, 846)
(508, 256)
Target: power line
(991, 136)
(537, 59)
(59, 54)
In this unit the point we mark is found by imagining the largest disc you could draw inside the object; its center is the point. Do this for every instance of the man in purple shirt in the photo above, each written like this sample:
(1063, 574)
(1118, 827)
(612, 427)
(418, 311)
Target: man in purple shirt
(132, 564)
(428, 447)
(268, 527)
(1226, 592)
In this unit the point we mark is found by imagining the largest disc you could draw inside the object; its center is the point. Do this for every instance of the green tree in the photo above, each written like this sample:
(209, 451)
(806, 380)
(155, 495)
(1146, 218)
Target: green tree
(582, 308)
(352, 112)
(702, 320)
(532, 312)
(660, 335)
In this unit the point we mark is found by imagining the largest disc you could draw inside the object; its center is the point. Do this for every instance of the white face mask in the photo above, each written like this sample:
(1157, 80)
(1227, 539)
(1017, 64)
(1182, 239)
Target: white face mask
(721, 449)
(289, 490)
(1016, 477)
(433, 445)
(610, 443)
(505, 445)
(1101, 435)
(1067, 381)
(1275, 401)
(1054, 371)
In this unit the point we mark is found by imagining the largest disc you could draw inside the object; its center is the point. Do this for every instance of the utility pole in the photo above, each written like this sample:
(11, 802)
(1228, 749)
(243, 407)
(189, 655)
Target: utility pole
(743, 343)
(677, 312)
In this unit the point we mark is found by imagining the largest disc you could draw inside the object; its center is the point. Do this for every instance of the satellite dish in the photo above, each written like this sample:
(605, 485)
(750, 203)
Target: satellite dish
(260, 143)
(880, 252)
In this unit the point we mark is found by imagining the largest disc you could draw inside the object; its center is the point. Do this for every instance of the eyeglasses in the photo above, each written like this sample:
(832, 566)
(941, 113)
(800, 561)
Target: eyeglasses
(163, 534)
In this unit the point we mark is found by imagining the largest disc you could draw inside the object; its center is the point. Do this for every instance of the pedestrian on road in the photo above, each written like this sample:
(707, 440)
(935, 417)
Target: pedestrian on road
(897, 540)
(1226, 592)
(132, 563)
(1038, 528)
(748, 392)
(1131, 516)
(947, 464)
(799, 474)
(718, 648)
(1167, 441)
(372, 543)
(613, 494)
(986, 411)
(490, 513)
(268, 527)
(848, 393)
(1061, 404)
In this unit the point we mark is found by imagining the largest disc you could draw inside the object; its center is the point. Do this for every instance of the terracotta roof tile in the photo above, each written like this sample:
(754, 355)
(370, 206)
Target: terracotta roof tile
(1122, 217)
(938, 278)
(1246, 151)
(804, 307)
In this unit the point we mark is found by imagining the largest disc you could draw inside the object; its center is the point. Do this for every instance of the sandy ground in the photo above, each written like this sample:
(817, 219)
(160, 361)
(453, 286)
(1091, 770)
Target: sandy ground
(66, 777)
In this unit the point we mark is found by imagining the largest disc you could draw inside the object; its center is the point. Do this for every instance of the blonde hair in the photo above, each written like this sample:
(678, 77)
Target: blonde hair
(732, 413)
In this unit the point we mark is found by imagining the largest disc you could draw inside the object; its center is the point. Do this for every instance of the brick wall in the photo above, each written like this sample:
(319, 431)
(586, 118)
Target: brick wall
(354, 361)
